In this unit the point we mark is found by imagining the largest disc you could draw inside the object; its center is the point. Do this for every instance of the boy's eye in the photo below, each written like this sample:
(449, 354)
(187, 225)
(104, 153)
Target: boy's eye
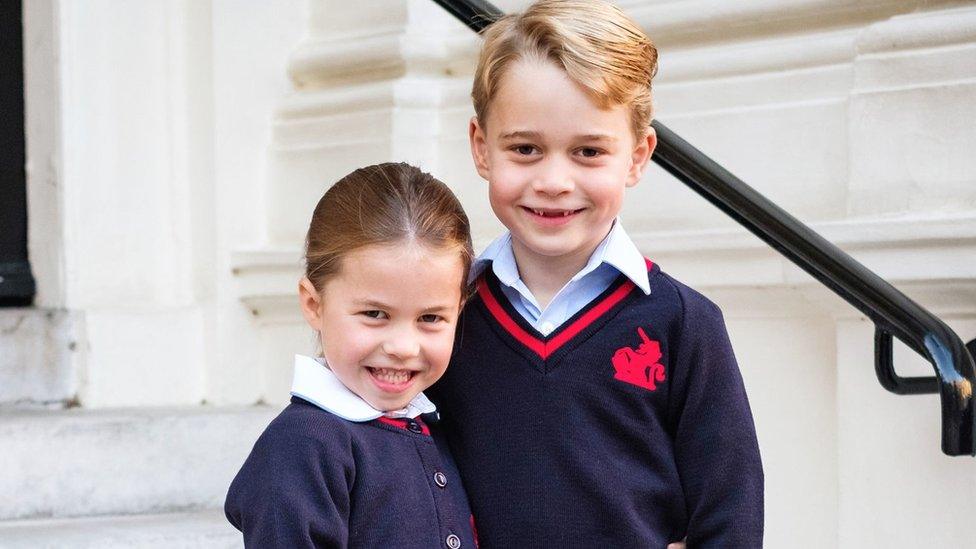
(379, 315)
(431, 318)
(524, 149)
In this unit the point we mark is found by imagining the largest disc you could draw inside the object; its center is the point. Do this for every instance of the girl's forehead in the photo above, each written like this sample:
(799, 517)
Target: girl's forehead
(402, 272)
(403, 252)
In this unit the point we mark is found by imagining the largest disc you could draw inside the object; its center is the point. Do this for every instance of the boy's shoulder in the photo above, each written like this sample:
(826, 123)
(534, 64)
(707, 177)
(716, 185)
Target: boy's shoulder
(687, 302)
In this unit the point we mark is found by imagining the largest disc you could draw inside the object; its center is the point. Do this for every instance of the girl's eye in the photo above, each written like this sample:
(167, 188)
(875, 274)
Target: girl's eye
(588, 152)
(379, 315)
(430, 318)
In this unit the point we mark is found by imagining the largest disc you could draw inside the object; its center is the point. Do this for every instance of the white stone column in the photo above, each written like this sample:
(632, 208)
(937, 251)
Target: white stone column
(911, 111)
(376, 82)
(125, 228)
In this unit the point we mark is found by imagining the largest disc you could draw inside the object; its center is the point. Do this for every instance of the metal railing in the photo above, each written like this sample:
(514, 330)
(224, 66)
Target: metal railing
(893, 313)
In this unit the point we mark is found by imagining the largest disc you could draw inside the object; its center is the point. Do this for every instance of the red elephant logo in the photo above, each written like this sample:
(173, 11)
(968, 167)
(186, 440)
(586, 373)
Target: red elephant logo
(640, 367)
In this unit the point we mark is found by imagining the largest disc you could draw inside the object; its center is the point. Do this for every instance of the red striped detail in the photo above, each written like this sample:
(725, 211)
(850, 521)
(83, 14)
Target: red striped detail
(401, 423)
(546, 348)
(525, 338)
(582, 322)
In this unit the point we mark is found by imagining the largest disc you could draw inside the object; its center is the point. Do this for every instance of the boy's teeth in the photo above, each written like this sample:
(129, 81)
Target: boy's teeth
(553, 214)
(388, 375)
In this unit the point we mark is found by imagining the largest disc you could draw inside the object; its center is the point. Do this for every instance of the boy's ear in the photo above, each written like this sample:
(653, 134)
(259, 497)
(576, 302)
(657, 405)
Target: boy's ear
(479, 147)
(641, 156)
(311, 304)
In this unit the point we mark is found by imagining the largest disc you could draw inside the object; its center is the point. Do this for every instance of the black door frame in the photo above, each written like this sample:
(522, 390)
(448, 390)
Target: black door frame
(16, 282)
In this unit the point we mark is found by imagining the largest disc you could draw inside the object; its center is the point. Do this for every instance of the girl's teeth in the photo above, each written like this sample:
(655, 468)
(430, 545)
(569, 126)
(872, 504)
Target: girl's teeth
(387, 375)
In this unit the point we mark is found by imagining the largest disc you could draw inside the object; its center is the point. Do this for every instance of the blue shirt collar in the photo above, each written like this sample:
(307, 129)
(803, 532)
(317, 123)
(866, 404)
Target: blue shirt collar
(616, 250)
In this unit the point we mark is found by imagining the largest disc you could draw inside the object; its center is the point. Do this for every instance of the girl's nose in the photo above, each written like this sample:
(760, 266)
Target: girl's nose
(401, 345)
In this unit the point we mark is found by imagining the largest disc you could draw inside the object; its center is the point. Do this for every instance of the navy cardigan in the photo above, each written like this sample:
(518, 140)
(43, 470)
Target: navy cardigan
(314, 479)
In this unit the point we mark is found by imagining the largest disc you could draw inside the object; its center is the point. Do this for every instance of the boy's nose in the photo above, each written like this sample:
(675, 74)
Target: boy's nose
(553, 180)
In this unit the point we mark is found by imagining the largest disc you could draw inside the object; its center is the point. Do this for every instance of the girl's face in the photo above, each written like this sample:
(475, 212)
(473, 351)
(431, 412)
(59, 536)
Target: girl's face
(386, 321)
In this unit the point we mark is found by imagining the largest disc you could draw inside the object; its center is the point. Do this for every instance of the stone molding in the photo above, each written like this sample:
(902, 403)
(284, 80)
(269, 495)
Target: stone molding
(701, 21)
(929, 258)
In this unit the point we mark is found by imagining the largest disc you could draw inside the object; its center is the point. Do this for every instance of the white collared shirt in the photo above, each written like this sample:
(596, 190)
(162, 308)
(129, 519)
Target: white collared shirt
(616, 254)
(317, 384)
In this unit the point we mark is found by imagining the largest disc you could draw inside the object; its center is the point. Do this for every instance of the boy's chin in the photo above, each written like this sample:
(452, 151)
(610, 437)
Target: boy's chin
(556, 247)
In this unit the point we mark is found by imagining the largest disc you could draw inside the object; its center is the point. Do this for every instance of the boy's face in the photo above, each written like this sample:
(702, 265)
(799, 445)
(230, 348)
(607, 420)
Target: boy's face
(386, 321)
(556, 163)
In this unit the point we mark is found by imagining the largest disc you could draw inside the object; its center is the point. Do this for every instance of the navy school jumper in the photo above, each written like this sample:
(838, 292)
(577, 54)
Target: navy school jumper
(627, 426)
(314, 479)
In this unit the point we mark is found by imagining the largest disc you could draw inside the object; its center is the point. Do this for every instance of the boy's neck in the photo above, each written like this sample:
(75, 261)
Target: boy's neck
(544, 275)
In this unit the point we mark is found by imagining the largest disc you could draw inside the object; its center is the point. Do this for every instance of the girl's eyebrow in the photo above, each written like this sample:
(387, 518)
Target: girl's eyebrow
(373, 304)
(436, 309)
(370, 303)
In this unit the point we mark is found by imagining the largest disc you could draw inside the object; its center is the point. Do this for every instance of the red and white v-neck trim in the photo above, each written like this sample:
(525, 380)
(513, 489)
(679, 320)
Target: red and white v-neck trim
(544, 347)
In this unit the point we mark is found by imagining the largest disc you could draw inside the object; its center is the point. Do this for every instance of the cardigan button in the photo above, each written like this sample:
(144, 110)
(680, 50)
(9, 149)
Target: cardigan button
(414, 427)
(440, 479)
(453, 542)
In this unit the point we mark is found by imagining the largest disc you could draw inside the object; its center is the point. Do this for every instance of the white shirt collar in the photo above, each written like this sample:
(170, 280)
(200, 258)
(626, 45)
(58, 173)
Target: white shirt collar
(617, 250)
(317, 384)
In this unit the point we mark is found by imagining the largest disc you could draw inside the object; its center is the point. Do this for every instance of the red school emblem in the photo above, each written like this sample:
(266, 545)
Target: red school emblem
(639, 367)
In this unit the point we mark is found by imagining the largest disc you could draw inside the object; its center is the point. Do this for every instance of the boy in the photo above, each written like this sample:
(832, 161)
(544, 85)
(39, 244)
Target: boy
(593, 401)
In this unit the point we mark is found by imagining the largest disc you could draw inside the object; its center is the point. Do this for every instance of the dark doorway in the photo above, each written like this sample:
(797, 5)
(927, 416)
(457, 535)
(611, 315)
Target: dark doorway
(16, 282)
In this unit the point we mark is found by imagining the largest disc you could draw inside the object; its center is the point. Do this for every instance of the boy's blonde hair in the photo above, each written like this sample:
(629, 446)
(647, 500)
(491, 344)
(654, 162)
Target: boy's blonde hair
(598, 45)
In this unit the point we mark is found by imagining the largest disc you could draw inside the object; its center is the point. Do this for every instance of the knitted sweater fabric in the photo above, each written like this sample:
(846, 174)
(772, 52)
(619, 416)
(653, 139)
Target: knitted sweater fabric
(627, 426)
(314, 479)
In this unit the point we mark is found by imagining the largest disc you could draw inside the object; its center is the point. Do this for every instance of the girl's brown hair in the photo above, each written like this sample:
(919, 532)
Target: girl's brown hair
(384, 204)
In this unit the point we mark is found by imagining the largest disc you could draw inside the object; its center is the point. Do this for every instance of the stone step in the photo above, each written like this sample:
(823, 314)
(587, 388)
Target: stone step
(38, 357)
(201, 529)
(72, 463)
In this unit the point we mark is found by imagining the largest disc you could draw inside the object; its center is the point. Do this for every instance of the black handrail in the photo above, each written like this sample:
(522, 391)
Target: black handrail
(892, 312)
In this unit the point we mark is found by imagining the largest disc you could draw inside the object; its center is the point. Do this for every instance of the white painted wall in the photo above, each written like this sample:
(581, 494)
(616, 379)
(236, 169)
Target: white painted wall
(176, 150)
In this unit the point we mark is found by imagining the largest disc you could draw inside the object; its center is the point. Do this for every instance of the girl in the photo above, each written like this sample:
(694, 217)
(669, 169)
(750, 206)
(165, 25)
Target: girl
(351, 461)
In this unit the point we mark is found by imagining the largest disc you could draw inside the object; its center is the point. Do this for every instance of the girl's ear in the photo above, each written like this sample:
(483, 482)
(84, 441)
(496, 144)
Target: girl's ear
(311, 303)
(479, 147)
(641, 156)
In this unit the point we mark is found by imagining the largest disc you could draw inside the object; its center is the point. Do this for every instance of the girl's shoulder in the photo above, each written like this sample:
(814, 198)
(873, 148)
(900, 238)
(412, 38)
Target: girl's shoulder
(302, 425)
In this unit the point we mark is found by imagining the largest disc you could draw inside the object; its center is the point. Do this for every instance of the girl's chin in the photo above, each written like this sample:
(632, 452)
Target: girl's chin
(385, 403)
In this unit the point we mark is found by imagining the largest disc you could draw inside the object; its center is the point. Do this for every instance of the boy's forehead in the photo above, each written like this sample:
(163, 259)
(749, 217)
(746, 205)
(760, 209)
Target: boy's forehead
(536, 99)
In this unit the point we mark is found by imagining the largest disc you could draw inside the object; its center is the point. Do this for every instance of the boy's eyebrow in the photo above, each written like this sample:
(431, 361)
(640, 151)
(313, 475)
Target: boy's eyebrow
(598, 137)
(525, 134)
(521, 134)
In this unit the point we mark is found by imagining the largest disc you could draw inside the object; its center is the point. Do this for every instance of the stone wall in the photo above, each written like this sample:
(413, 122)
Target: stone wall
(176, 150)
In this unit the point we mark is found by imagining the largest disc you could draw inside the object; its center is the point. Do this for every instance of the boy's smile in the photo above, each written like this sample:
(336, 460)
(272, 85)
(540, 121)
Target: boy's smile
(556, 163)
